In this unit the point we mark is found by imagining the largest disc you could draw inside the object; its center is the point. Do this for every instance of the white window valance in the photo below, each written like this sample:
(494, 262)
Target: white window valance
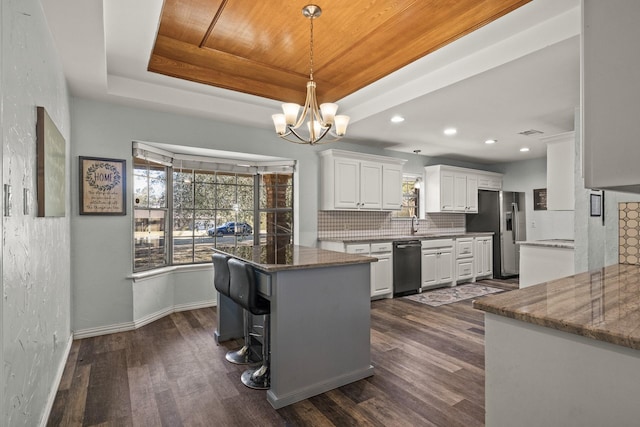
(153, 153)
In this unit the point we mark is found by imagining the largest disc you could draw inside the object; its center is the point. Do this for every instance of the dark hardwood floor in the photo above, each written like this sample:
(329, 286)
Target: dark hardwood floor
(429, 371)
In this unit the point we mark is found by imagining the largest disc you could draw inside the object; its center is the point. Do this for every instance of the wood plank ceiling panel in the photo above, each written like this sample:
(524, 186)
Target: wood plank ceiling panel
(262, 48)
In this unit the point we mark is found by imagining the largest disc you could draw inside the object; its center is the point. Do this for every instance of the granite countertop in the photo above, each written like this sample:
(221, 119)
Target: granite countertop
(601, 304)
(399, 237)
(273, 258)
(550, 243)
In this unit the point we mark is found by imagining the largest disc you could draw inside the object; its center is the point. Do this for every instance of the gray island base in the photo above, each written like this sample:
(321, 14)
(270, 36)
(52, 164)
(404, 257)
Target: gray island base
(320, 319)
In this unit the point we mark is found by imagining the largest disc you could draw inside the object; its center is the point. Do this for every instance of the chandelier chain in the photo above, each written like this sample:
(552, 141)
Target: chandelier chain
(311, 51)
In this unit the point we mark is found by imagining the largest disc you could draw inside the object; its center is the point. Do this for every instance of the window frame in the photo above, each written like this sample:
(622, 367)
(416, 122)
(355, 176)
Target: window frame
(169, 211)
(407, 177)
(165, 210)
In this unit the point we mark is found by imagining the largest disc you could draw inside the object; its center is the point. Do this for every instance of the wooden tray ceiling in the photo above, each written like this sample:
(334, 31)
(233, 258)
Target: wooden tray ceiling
(262, 47)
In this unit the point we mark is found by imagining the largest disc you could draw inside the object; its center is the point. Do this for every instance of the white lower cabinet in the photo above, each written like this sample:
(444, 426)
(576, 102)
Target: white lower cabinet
(437, 263)
(382, 271)
(443, 262)
(358, 248)
(484, 257)
(464, 270)
(464, 259)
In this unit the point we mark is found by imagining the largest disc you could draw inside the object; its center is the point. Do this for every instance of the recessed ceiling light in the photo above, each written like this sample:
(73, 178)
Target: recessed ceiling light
(524, 149)
(397, 119)
(491, 141)
(450, 131)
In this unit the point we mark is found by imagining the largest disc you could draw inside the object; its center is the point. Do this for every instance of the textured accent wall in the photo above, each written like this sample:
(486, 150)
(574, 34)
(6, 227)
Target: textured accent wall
(355, 224)
(35, 251)
(629, 235)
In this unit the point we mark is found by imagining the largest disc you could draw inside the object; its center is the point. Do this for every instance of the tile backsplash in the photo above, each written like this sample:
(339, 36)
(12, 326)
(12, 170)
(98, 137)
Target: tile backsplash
(629, 233)
(355, 224)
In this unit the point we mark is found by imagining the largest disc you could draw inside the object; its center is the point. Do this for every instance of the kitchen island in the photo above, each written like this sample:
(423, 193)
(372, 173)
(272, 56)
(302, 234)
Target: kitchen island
(320, 317)
(565, 352)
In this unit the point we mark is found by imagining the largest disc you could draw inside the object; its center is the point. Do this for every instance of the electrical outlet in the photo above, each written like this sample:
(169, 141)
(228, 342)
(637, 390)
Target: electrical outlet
(533, 224)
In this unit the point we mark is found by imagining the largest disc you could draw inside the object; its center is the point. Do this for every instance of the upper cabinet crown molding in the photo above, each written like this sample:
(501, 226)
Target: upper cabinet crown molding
(358, 181)
(361, 156)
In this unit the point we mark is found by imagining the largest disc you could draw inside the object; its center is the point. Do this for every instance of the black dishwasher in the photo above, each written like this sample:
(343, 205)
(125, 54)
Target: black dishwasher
(406, 267)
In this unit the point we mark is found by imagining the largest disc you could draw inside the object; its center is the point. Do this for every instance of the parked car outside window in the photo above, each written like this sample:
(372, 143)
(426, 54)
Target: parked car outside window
(231, 227)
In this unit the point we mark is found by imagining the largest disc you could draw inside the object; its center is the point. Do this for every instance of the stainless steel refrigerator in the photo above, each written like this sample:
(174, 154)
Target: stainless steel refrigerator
(503, 213)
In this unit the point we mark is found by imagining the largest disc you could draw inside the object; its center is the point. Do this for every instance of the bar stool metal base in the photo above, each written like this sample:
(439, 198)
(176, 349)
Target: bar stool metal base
(244, 356)
(257, 379)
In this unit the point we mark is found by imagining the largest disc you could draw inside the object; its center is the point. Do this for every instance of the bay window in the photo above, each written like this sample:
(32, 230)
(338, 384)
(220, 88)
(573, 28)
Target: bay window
(184, 207)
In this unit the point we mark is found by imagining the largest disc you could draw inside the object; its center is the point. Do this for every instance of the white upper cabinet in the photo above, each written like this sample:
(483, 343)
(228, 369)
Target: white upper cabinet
(370, 185)
(610, 94)
(446, 202)
(452, 189)
(391, 181)
(356, 181)
(347, 194)
(472, 193)
(460, 192)
(489, 181)
(560, 172)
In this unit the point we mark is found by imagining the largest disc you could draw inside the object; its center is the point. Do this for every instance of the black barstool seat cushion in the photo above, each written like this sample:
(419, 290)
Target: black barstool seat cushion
(221, 278)
(244, 290)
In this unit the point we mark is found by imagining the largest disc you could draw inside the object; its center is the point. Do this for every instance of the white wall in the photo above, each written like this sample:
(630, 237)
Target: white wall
(35, 305)
(102, 246)
(526, 176)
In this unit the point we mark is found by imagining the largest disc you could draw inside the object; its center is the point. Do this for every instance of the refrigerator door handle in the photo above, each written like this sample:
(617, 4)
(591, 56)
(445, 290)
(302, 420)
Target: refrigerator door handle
(516, 227)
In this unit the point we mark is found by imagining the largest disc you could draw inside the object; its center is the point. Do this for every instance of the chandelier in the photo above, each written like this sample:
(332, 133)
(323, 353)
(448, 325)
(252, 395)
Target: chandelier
(319, 121)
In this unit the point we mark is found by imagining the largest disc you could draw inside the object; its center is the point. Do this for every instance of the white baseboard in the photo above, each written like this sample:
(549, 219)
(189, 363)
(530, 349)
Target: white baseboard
(103, 330)
(56, 383)
(152, 317)
(195, 305)
(130, 326)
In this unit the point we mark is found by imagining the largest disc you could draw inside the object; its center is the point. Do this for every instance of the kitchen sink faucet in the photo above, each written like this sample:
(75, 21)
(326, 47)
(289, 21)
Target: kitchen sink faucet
(414, 224)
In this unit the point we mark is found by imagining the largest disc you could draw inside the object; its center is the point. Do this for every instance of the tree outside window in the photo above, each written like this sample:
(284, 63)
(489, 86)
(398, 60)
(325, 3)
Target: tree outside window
(210, 209)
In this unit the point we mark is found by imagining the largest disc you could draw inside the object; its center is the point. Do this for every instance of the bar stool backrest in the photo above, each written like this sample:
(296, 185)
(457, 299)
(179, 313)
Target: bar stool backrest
(221, 278)
(244, 290)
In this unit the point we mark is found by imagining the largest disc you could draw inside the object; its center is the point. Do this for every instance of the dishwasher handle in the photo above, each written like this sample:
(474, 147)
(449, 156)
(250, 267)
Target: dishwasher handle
(405, 245)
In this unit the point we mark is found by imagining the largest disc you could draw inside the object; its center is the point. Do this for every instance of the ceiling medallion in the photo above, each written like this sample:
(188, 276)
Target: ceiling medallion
(319, 120)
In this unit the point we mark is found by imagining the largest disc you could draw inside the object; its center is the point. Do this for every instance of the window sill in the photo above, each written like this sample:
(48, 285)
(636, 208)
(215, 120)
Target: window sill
(156, 272)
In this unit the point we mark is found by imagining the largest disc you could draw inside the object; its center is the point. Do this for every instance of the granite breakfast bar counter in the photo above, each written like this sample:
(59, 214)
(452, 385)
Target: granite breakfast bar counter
(320, 317)
(565, 352)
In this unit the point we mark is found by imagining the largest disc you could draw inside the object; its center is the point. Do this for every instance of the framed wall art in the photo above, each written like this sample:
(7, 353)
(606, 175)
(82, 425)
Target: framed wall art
(595, 203)
(540, 199)
(102, 186)
(51, 155)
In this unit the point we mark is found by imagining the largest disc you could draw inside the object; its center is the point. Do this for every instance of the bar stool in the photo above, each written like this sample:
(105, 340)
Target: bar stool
(222, 283)
(244, 292)
(221, 279)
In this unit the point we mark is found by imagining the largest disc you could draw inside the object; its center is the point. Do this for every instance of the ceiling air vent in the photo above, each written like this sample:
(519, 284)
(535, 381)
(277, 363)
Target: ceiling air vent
(530, 132)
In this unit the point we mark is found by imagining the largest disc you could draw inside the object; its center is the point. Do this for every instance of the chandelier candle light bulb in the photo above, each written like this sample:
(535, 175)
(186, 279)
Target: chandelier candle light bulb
(324, 118)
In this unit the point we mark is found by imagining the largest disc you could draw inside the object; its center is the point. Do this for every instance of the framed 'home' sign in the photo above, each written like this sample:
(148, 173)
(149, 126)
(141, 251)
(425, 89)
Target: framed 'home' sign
(102, 186)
